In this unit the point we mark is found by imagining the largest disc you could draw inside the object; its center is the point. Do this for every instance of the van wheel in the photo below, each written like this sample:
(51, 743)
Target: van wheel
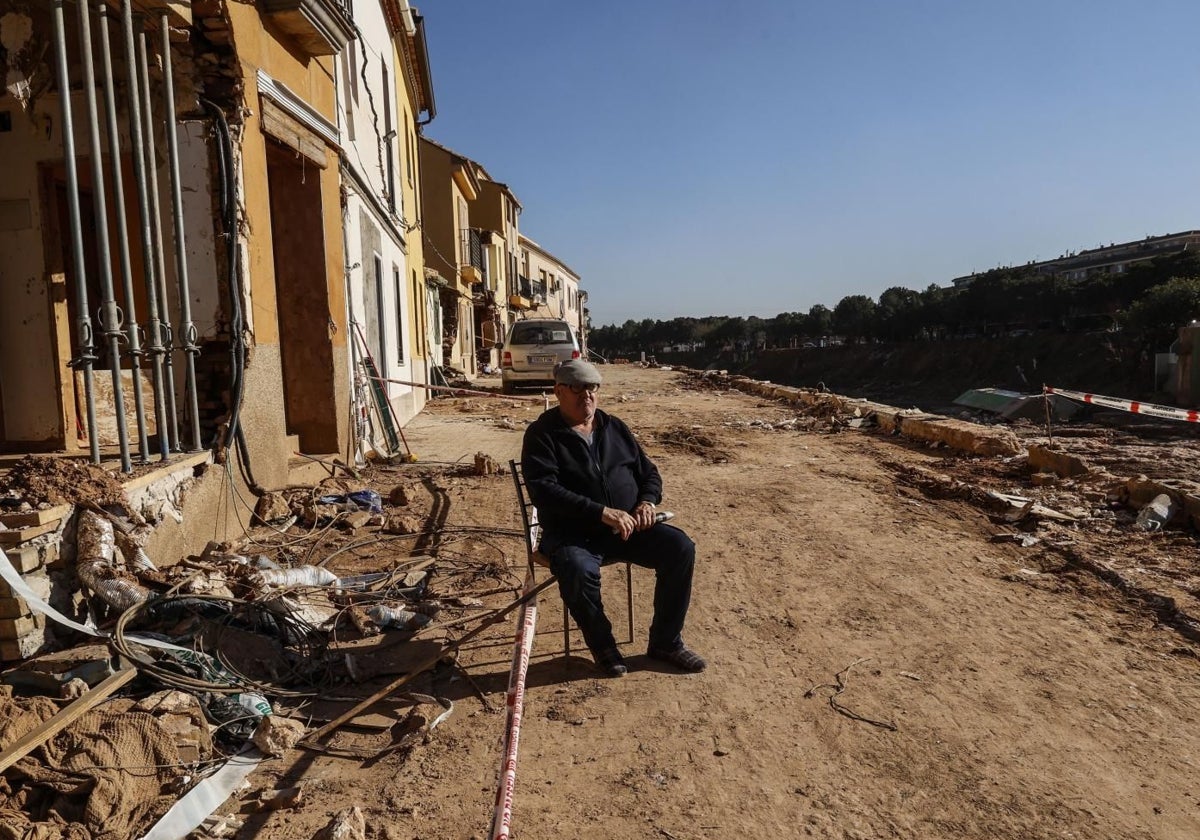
(507, 387)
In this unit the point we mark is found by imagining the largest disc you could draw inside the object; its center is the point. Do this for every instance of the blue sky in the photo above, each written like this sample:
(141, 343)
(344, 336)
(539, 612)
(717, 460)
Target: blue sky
(690, 157)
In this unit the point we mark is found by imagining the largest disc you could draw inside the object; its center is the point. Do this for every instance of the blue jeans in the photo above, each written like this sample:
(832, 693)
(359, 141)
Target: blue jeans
(576, 562)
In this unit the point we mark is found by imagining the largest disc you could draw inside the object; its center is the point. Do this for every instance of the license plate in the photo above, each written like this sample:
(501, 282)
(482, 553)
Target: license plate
(541, 360)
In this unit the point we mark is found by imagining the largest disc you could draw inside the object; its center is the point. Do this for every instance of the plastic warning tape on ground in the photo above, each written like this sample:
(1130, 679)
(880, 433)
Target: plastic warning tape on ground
(522, 650)
(1166, 412)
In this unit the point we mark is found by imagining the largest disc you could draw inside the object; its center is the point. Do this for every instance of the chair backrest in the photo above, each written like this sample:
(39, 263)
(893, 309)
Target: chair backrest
(529, 516)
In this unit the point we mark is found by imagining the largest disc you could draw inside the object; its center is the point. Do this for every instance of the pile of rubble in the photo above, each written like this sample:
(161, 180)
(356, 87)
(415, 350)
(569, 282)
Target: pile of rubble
(166, 686)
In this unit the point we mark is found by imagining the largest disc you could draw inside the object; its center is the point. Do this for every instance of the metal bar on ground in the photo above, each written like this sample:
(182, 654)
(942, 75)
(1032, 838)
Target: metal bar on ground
(83, 321)
(187, 329)
(312, 741)
(110, 317)
(132, 330)
(515, 703)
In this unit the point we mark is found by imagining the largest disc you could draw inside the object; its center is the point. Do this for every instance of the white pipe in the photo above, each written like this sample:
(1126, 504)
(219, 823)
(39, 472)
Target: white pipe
(406, 11)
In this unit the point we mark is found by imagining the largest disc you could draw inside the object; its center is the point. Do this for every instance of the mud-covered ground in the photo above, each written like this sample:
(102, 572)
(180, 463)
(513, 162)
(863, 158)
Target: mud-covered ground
(891, 655)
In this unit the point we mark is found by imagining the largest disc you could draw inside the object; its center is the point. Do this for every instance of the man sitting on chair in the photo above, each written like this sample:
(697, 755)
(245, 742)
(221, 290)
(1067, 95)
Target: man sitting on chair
(595, 491)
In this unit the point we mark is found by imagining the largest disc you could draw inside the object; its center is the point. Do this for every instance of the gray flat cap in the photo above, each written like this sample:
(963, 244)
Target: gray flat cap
(576, 372)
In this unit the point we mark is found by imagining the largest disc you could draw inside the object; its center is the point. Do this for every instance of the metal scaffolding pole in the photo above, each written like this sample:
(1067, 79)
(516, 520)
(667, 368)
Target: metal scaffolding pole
(168, 431)
(114, 146)
(137, 140)
(187, 330)
(83, 321)
(110, 318)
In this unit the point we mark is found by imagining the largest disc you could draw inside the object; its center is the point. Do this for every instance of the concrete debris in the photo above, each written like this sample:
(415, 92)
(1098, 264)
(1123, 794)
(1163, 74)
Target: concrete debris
(403, 524)
(400, 496)
(276, 735)
(487, 465)
(345, 825)
(272, 507)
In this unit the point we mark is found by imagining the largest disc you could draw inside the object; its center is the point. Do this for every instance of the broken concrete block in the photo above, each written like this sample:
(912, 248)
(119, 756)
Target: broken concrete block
(15, 628)
(346, 825)
(356, 520)
(1044, 459)
(28, 558)
(400, 524)
(276, 735)
(272, 507)
(400, 496)
(26, 646)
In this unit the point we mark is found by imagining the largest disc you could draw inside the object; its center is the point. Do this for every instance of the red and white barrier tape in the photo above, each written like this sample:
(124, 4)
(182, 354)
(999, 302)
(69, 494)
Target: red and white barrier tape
(1132, 406)
(522, 650)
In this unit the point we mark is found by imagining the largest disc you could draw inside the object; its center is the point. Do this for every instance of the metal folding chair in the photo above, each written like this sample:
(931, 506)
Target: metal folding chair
(532, 532)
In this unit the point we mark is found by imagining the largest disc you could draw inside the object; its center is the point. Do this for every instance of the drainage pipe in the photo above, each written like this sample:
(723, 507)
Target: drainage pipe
(187, 329)
(114, 149)
(83, 320)
(138, 152)
(168, 432)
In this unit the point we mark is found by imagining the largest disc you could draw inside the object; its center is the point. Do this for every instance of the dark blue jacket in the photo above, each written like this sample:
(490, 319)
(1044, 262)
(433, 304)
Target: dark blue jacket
(571, 483)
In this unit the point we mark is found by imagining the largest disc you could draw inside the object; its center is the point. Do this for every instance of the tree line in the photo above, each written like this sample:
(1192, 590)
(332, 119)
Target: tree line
(1147, 303)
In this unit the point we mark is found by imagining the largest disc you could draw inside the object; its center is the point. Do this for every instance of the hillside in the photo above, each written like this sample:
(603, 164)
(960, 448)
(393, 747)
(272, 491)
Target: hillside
(932, 374)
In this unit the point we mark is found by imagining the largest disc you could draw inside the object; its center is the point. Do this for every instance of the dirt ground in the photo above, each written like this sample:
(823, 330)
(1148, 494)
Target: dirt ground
(880, 665)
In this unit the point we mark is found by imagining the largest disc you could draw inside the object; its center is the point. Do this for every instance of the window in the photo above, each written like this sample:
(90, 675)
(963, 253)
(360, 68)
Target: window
(389, 140)
(379, 313)
(396, 281)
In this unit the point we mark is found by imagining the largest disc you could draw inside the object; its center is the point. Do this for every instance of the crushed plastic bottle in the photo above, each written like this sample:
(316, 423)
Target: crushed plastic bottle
(1157, 513)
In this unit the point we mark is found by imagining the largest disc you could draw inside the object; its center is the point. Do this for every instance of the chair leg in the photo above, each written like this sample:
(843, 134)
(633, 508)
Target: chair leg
(566, 631)
(629, 597)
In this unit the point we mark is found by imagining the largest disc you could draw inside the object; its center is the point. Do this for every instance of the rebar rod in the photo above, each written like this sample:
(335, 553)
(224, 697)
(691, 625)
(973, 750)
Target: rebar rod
(168, 431)
(114, 147)
(110, 317)
(83, 321)
(187, 330)
(134, 56)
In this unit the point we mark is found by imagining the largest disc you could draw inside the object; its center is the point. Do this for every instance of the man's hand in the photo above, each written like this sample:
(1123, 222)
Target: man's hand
(643, 515)
(620, 522)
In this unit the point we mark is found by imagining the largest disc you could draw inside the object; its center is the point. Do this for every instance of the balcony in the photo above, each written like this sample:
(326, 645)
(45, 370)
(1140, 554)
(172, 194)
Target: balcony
(320, 27)
(474, 271)
(524, 287)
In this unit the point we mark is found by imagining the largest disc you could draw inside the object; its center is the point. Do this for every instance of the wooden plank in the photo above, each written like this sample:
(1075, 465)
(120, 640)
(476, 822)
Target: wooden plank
(35, 517)
(30, 741)
(20, 535)
(287, 130)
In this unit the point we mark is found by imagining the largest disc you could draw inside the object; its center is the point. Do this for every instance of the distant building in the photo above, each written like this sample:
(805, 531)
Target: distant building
(557, 293)
(1113, 259)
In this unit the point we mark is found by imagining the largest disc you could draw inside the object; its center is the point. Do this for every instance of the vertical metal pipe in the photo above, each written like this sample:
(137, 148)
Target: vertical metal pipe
(110, 319)
(114, 149)
(168, 431)
(134, 54)
(83, 321)
(187, 330)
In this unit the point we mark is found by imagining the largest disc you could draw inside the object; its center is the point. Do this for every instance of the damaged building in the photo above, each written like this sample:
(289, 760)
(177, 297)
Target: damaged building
(188, 256)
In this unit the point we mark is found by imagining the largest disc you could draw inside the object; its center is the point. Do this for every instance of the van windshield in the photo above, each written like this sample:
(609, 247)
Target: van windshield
(540, 334)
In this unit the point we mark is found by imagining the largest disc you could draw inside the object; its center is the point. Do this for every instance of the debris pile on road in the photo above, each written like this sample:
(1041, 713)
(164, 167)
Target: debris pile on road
(168, 680)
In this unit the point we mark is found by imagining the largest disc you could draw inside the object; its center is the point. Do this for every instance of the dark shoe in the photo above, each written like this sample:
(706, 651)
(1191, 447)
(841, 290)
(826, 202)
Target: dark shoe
(682, 658)
(611, 663)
